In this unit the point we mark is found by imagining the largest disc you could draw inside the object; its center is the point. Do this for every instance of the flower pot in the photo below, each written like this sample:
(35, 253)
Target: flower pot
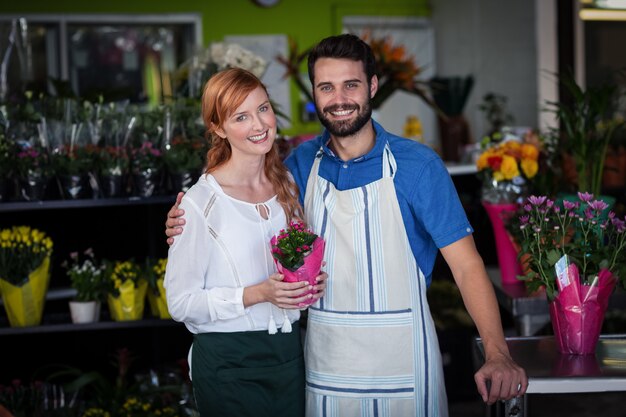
(85, 311)
(112, 185)
(182, 181)
(454, 134)
(24, 303)
(577, 313)
(73, 186)
(146, 182)
(158, 303)
(129, 305)
(33, 186)
(507, 254)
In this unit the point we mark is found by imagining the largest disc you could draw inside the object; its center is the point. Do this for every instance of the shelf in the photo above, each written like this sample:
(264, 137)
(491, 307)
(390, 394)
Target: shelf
(66, 326)
(461, 169)
(81, 203)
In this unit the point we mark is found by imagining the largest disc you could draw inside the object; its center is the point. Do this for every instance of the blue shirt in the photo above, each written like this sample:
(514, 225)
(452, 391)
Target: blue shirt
(431, 210)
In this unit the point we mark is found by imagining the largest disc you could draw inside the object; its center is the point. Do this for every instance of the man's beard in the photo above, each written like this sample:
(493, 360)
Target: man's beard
(344, 128)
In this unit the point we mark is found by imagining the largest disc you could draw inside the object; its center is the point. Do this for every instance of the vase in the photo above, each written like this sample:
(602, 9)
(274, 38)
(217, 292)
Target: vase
(33, 186)
(157, 301)
(24, 303)
(85, 311)
(182, 181)
(146, 182)
(577, 313)
(454, 134)
(73, 186)
(112, 185)
(129, 304)
(507, 254)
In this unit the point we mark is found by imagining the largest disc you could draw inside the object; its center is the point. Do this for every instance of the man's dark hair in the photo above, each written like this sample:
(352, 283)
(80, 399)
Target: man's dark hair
(346, 46)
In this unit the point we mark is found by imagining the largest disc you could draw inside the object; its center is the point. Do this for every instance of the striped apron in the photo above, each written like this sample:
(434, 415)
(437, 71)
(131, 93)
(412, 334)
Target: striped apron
(371, 347)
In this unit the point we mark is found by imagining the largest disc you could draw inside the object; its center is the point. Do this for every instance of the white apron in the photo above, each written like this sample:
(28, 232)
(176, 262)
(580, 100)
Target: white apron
(371, 347)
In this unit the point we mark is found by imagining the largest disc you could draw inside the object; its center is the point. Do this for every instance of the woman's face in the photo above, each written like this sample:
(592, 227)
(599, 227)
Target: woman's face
(251, 128)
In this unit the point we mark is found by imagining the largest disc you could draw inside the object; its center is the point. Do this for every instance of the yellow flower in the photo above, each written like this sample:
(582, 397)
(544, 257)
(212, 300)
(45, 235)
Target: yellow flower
(529, 167)
(509, 167)
(529, 151)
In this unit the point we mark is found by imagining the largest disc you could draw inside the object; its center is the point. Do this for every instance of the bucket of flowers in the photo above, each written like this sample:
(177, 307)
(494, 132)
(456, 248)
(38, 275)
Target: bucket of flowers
(127, 298)
(577, 253)
(24, 273)
(506, 168)
(146, 166)
(112, 165)
(298, 254)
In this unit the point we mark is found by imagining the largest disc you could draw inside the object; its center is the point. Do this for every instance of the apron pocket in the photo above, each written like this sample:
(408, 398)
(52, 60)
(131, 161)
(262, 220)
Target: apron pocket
(361, 354)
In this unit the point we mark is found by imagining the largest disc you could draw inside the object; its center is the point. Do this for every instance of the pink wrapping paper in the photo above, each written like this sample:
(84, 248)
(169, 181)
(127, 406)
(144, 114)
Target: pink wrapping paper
(577, 312)
(509, 265)
(308, 271)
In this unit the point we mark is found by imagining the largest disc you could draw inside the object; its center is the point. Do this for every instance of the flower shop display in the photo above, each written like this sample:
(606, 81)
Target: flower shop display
(155, 275)
(88, 278)
(127, 298)
(183, 158)
(577, 253)
(6, 160)
(24, 273)
(72, 166)
(505, 169)
(298, 254)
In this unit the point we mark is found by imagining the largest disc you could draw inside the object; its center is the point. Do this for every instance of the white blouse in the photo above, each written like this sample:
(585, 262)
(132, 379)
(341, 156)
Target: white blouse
(223, 248)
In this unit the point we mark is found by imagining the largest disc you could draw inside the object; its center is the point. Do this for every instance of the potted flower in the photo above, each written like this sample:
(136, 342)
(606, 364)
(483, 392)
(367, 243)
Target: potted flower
(127, 297)
(112, 164)
(33, 169)
(7, 158)
(506, 169)
(146, 164)
(298, 254)
(72, 165)
(88, 278)
(183, 159)
(24, 269)
(155, 275)
(577, 253)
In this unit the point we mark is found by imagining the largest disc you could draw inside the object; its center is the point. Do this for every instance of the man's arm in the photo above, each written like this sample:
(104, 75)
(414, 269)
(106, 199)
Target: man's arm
(174, 221)
(507, 379)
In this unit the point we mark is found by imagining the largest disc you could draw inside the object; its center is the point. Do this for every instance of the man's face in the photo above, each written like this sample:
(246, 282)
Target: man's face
(342, 95)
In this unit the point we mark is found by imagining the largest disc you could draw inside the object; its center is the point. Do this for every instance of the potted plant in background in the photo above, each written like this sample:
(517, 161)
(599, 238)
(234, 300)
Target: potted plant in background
(88, 278)
(155, 275)
(127, 296)
(7, 158)
(578, 273)
(33, 169)
(183, 159)
(72, 165)
(24, 273)
(112, 164)
(587, 128)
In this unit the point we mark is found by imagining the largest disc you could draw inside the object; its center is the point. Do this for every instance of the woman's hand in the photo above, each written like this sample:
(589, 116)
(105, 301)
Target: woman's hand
(274, 290)
(320, 287)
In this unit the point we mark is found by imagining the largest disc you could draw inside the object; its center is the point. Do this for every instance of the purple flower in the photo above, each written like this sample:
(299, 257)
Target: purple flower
(570, 205)
(586, 197)
(537, 201)
(598, 205)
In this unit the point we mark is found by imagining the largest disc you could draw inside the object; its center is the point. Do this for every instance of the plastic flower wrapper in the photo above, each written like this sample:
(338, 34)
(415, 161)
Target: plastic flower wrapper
(126, 302)
(577, 311)
(506, 167)
(298, 254)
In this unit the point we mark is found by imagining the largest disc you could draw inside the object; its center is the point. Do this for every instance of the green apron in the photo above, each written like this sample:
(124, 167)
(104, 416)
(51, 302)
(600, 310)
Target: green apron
(244, 374)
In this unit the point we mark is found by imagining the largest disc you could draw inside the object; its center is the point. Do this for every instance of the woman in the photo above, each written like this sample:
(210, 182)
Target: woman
(221, 280)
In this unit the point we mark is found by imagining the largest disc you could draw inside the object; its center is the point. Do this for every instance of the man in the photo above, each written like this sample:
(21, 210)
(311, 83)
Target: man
(385, 205)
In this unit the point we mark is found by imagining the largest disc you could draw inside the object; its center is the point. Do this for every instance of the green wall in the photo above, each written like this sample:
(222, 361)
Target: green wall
(304, 21)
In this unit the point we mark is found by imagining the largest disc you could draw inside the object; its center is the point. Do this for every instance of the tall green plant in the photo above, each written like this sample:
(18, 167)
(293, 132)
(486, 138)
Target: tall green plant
(586, 129)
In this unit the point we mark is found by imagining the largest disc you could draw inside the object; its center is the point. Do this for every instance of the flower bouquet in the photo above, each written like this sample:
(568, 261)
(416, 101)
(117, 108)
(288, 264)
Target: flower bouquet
(127, 299)
(505, 167)
(577, 254)
(24, 273)
(112, 165)
(298, 254)
(33, 170)
(146, 164)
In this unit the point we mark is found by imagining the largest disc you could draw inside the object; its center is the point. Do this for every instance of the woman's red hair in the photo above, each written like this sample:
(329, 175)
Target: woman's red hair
(223, 94)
